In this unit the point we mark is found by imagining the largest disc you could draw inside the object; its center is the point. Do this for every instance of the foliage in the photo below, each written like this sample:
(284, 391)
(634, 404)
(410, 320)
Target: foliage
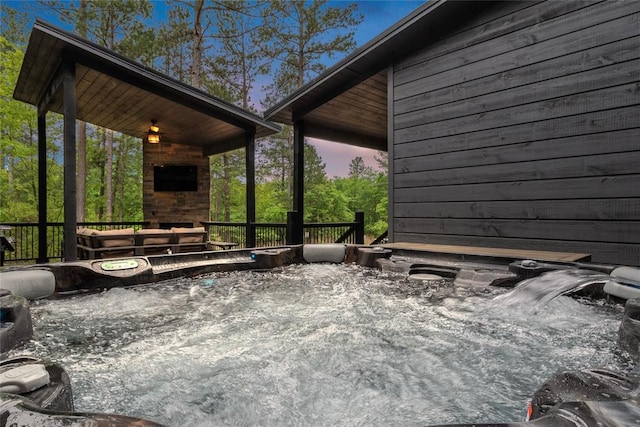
(366, 190)
(298, 34)
(19, 149)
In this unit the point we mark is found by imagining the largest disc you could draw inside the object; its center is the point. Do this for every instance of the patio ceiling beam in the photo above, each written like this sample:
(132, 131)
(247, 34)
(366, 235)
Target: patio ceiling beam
(218, 147)
(50, 90)
(344, 136)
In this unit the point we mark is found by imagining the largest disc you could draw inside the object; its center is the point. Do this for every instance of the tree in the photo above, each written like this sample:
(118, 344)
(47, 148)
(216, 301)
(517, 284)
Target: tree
(234, 67)
(14, 25)
(357, 168)
(238, 59)
(81, 165)
(366, 190)
(322, 200)
(117, 25)
(227, 178)
(297, 35)
(19, 148)
(173, 39)
(275, 164)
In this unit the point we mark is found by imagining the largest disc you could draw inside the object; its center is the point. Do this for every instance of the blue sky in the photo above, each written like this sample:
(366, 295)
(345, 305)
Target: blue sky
(378, 16)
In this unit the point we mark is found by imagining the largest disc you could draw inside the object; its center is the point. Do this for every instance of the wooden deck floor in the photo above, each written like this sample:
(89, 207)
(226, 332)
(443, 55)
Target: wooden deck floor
(491, 252)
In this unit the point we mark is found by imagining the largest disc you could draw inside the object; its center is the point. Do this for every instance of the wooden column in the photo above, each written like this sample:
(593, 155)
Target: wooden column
(250, 155)
(70, 215)
(298, 180)
(42, 189)
(359, 219)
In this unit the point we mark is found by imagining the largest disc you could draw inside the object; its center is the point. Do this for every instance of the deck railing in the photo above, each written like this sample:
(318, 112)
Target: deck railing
(275, 234)
(25, 235)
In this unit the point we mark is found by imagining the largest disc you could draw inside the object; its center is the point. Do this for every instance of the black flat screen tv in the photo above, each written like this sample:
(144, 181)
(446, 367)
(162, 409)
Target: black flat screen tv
(175, 178)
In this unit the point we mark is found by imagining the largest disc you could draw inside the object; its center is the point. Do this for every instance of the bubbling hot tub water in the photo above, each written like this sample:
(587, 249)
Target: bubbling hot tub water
(315, 344)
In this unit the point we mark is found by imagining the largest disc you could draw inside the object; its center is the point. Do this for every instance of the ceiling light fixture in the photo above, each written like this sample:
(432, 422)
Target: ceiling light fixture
(153, 136)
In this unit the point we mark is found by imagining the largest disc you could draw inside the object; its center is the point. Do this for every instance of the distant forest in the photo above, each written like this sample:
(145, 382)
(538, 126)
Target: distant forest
(222, 47)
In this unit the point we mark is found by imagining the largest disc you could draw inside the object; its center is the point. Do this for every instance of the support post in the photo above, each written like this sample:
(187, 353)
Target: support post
(390, 148)
(70, 215)
(359, 228)
(298, 179)
(43, 242)
(294, 222)
(250, 159)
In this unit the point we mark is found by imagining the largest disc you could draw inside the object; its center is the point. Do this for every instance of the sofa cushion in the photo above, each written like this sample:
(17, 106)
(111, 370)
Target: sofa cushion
(86, 231)
(84, 235)
(198, 238)
(122, 237)
(155, 239)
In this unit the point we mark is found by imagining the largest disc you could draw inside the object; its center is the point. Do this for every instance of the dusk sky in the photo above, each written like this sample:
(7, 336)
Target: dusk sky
(378, 16)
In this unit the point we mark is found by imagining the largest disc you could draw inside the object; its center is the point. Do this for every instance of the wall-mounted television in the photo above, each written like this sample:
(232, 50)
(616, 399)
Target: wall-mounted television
(175, 178)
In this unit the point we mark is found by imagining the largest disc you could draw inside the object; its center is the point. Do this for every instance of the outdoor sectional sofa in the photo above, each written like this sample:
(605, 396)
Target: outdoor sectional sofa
(95, 244)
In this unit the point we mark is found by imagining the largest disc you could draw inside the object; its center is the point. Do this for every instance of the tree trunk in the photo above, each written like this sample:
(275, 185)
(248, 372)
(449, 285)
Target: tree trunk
(196, 59)
(109, 176)
(226, 187)
(123, 149)
(102, 166)
(81, 173)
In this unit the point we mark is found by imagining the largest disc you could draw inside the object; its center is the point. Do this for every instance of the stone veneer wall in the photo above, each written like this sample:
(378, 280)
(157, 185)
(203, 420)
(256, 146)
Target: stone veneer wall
(179, 206)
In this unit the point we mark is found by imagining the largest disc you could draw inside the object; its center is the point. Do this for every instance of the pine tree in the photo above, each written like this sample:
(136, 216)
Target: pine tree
(297, 36)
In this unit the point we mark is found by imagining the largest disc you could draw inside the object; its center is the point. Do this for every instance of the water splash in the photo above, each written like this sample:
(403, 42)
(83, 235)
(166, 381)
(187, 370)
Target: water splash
(313, 345)
(539, 290)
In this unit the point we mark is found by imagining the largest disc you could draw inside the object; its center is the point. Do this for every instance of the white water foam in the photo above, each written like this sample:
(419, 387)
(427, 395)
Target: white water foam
(312, 345)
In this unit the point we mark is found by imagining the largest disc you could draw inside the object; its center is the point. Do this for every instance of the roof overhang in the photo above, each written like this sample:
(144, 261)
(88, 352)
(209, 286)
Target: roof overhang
(348, 103)
(122, 95)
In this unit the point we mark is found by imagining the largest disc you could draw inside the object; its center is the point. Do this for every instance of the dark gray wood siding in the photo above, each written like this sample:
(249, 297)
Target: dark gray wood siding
(521, 129)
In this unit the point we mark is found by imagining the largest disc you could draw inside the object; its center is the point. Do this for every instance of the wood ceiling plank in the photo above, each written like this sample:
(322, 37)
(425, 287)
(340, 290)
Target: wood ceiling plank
(361, 110)
(33, 75)
(368, 127)
(113, 103)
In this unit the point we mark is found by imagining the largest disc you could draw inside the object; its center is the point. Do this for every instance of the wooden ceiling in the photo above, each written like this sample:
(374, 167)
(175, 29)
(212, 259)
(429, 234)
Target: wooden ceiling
(119, 94)
(356, 115)
(364, 105)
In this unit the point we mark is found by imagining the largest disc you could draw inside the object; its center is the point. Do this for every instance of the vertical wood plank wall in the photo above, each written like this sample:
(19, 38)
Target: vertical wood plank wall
(521, 129)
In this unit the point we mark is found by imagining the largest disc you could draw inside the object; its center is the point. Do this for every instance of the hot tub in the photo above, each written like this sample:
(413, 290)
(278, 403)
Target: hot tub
(314, 344)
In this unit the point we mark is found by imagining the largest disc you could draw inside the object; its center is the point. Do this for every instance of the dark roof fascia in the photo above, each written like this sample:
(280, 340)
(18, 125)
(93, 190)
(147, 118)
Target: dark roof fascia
(375, 53)
(82, 47)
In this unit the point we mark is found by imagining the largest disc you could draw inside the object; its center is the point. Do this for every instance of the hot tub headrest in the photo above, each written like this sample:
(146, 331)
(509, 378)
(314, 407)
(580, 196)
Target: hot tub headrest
(329, 252)
(624, 283)
(30, 284)
(627, 275)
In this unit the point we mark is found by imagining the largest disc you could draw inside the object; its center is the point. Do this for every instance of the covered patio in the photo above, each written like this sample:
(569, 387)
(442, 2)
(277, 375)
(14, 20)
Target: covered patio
(351, 102)
(67, 74)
